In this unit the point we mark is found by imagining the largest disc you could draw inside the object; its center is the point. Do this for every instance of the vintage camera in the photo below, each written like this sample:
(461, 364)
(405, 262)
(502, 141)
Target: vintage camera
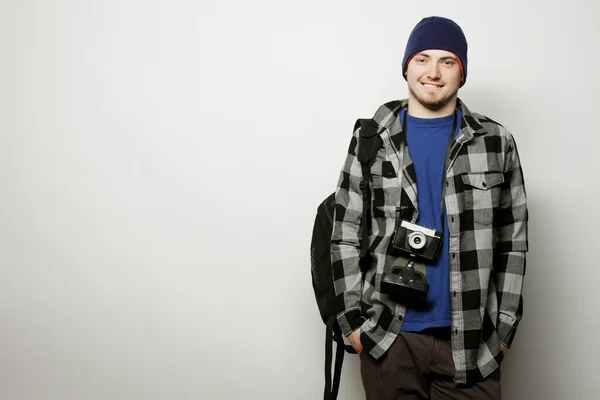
(418, 241)
(404, 281)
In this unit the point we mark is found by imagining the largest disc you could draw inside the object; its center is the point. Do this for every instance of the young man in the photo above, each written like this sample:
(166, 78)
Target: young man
(454, 175)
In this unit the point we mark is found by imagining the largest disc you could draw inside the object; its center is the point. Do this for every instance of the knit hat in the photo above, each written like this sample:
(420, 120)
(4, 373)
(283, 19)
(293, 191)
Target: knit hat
(437, 33)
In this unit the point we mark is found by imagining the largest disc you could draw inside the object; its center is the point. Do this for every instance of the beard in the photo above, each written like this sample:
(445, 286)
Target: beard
(430, 102)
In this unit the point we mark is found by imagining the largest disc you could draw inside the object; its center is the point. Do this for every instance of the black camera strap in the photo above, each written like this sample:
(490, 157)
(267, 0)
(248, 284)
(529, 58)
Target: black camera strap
(446, 160)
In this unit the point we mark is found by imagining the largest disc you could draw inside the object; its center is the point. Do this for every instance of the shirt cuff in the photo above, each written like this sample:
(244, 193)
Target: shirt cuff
(350, 320)
(506, 333)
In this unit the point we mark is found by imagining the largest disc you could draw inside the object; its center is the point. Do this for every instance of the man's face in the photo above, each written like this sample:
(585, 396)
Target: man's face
(433, 78)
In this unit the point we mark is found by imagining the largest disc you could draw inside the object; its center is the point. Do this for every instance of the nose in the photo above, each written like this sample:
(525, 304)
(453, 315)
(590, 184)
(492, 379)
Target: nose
(433, 72)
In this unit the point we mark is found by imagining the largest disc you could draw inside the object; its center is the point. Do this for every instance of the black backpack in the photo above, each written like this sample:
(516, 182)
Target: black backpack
(369, 143)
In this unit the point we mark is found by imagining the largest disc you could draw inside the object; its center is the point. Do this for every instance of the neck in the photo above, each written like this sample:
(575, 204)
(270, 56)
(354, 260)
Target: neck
(416, 109)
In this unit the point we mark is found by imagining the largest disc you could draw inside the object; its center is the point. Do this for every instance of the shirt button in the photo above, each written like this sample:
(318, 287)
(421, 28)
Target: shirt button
(456, 331)
(453, 256)
(454, 293)
(447, 183)
(400, 318)
(452, 219)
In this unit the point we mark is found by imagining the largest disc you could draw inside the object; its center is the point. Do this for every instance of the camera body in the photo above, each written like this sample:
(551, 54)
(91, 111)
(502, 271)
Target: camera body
(418, 241)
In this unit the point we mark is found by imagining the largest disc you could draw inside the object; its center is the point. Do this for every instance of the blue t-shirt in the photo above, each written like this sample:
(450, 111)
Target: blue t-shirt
(427, 140)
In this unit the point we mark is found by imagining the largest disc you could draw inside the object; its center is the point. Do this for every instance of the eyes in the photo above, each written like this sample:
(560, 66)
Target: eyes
(446, 62)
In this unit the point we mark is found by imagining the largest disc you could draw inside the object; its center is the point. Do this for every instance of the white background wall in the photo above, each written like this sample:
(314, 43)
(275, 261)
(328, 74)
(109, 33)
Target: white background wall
(161, 164)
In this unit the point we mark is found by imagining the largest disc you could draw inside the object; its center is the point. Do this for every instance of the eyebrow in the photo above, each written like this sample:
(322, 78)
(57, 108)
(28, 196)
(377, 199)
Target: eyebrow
(441, 58)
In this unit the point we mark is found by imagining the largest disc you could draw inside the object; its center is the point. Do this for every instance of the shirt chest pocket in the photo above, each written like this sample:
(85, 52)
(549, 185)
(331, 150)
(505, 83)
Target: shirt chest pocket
(385, 188)
(482, 194)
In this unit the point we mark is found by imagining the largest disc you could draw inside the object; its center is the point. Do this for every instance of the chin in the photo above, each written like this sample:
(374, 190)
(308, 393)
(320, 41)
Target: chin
(434, 104)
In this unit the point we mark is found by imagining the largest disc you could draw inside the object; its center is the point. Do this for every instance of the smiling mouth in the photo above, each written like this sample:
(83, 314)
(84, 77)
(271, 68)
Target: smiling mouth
(431, 85)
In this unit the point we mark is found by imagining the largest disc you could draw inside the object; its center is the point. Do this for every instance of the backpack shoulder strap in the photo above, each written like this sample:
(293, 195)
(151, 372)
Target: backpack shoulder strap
(369, 142)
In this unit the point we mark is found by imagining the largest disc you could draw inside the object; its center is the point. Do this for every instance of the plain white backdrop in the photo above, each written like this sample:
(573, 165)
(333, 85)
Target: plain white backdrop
(161, 164)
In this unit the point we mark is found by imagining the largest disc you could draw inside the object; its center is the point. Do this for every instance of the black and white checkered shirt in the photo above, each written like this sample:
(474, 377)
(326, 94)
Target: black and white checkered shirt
(487, 218)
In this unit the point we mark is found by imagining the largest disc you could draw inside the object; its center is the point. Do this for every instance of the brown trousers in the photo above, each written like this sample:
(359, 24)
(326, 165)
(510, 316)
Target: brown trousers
(420, 366)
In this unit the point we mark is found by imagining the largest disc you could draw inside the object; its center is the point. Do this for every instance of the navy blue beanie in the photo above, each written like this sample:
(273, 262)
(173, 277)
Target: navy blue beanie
(437, 33)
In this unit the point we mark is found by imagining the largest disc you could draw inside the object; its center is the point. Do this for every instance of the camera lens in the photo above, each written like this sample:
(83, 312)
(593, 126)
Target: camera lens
(416, 240)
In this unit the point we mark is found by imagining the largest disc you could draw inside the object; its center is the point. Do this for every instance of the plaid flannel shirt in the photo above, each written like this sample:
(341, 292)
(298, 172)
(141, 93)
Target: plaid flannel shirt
(487, 218)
